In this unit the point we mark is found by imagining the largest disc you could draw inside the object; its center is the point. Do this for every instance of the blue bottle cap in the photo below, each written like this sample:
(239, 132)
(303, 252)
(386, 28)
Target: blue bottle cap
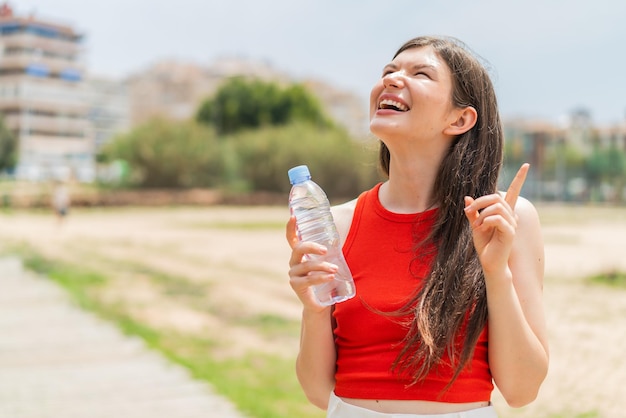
(299, 174)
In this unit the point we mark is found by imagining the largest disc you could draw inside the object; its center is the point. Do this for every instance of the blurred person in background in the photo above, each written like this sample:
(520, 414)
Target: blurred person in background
(61, 201)
(448, 270)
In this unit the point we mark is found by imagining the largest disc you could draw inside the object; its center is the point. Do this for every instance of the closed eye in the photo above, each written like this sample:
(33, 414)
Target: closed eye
(425, 70)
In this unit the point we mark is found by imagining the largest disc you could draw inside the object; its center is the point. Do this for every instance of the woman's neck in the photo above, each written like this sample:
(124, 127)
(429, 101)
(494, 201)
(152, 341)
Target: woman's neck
(410, 188)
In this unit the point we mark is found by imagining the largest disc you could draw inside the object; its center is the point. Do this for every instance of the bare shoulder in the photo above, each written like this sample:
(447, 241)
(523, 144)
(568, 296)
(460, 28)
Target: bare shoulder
(529, 234)
(525, 211)
(342, 214)
(527, 257)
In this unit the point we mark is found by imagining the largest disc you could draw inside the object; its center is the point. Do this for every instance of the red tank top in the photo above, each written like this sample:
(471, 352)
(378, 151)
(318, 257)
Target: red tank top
(379, 251)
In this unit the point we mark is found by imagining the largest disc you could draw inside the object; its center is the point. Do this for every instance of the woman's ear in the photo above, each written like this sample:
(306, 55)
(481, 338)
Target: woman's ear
(464, 119)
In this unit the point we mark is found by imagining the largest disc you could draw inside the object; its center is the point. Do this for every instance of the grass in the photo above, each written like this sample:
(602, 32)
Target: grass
(612, 278)
(239, 226)
(193, 294)
(127, 289)
(589, 414)
(559, 214)
(271, 325)
(79, 282)
(262, 386)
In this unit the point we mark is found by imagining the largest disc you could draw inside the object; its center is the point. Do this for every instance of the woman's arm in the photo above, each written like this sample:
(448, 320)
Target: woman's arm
(507, 237)
(315, 364)
(518, 346)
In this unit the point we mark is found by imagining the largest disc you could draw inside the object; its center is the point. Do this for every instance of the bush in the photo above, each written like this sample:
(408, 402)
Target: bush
(169, 154)
(340, 165)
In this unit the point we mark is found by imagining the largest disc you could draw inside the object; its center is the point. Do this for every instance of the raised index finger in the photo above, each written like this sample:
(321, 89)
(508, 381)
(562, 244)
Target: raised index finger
(516, 185)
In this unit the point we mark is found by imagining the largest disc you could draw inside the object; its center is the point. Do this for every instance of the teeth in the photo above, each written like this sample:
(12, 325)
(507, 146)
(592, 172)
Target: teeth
(388, 103)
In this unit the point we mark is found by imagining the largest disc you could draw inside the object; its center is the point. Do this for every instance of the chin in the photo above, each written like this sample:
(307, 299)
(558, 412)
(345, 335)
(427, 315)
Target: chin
(382, 129)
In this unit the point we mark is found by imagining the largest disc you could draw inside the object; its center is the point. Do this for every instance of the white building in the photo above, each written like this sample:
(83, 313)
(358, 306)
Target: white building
(44, 99)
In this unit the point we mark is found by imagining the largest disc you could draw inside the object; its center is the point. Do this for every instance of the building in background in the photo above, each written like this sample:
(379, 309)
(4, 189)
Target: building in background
(168, 89)
(44, 99)
(573, 161)
(109, 109)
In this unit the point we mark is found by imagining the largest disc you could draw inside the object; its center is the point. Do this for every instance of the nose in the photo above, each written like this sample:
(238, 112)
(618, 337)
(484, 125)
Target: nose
(394, 80)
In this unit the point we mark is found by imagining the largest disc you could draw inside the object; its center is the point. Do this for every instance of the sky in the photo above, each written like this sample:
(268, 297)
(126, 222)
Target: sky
(547, 57)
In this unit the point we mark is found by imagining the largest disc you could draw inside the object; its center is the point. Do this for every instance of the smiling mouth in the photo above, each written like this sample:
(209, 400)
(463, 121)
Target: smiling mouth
(392, 105)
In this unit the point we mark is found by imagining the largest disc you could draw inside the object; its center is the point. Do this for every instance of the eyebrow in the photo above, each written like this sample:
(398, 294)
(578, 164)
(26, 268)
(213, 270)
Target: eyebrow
(414, 67)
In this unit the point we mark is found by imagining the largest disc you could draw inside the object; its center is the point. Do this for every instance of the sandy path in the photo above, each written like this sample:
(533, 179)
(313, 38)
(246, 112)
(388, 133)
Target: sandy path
(245, 270)
(57, 360)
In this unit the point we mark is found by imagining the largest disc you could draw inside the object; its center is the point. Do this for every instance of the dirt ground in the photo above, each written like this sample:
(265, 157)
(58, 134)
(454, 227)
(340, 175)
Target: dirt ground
(241, 255)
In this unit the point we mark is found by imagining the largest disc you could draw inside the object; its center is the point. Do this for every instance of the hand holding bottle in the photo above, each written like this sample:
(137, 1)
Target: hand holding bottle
(306, 271)
(313, 224)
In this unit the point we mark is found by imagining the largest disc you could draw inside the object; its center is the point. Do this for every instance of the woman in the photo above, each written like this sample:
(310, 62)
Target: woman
(448, 271)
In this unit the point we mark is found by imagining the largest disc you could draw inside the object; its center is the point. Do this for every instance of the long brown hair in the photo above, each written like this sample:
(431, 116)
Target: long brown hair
(450, 309)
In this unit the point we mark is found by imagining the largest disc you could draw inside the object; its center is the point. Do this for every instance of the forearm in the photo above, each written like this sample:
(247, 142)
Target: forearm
(315, 365)
(517, 356)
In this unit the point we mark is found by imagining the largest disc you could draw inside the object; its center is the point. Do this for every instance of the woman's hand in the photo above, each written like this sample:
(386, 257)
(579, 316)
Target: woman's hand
(494, 223)
(304, 271)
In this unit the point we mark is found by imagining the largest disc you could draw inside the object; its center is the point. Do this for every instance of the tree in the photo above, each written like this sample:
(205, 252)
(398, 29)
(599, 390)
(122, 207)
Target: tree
(8, 147)
(300, 105)
(243, 104)
(608, 166)
(615, 171)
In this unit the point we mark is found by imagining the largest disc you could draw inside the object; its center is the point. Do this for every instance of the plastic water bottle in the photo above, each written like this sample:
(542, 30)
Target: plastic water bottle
(309, 204)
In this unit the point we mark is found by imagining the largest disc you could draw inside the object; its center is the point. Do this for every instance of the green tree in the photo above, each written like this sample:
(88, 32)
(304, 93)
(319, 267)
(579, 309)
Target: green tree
(300, 105)
(615, 170)
(243, 104)
(163, 153)
(8, 147)
(594, 170)
(561, 162)
(606, 166)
